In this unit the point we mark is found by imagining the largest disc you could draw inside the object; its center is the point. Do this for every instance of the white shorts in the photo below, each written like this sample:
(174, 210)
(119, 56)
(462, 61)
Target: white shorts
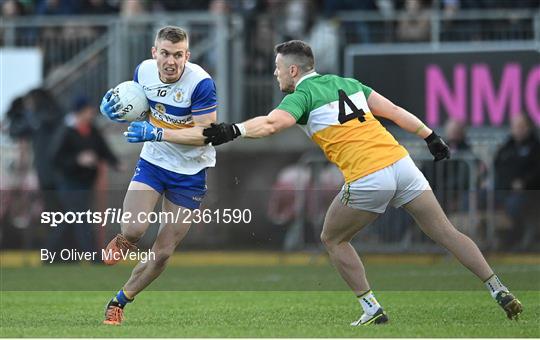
(397, 184)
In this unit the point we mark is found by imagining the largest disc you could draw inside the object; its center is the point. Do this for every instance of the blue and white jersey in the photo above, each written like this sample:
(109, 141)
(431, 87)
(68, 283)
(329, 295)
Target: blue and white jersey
(173, 106)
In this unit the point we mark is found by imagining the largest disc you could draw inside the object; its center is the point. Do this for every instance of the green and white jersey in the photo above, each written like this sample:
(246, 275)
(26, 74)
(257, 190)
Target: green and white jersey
(334, 113)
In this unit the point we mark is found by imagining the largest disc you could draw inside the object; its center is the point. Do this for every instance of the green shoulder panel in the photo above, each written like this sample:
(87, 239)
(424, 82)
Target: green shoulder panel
(318, 91)
(324, 89)
(297, 104)
(366, 89)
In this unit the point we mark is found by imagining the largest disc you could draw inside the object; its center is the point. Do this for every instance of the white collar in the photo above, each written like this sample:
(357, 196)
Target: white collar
(306, 76)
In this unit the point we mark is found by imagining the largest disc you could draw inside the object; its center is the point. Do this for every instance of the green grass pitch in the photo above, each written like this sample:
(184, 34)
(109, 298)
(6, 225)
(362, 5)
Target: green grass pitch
(438, 300)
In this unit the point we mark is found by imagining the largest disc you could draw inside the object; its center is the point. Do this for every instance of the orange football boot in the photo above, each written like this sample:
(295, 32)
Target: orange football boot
(113, 252)
(114, 315)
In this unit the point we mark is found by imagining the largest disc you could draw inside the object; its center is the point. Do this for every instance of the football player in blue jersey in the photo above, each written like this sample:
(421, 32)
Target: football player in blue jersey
(173, 160)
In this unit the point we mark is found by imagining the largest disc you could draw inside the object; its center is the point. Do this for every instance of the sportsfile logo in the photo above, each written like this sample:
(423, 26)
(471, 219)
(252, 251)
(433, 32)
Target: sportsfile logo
(113, 215)
(109, 216)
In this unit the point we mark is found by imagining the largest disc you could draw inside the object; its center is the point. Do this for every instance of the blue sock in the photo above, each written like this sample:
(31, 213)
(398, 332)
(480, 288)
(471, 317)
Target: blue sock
(121, 298)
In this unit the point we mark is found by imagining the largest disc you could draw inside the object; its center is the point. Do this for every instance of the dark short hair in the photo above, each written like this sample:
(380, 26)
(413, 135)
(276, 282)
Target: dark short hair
(173, 34)
(301, 51)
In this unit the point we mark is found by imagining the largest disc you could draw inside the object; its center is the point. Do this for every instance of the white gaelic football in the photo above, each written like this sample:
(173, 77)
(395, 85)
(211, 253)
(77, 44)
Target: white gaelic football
(134, 102)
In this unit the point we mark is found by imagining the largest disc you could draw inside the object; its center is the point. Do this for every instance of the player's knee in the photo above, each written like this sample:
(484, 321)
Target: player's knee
(327, 241)
(133, 232)
(162, 257)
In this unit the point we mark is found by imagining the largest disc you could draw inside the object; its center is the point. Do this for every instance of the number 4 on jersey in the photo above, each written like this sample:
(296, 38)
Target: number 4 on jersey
(356, 113)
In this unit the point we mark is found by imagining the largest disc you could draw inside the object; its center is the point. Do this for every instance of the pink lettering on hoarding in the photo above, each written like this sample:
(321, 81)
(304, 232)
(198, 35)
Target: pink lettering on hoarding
(532, 99)
(495, 104)
(439, 90)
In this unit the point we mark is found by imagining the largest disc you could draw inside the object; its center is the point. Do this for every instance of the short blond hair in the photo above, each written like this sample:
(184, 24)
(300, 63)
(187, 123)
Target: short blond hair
(173, 34)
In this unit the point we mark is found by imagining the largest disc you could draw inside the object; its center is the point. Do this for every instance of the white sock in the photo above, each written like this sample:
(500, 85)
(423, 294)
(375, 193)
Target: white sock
(494, 285)
(369, 303)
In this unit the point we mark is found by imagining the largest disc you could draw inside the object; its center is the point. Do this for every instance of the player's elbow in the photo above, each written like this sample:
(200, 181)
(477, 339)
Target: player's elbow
(396, 111)
(271, 129)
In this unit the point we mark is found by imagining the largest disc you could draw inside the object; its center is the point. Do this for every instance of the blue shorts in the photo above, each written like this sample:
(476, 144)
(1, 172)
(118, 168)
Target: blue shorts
(183, 190)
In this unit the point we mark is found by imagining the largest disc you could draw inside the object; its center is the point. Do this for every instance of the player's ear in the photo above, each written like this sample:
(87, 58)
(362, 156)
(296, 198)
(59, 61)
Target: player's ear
(188, 54)
(293, 70)
(154, 52)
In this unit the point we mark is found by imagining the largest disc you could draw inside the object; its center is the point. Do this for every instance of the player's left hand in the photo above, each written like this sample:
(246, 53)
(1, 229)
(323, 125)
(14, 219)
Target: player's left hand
(221, 133)
(143, 132)
(437, 147)
(110, 107)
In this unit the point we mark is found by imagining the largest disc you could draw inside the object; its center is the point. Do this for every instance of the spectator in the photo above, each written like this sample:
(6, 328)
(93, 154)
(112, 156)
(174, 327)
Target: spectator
(15, 35)
(457, 173)
(414, 23)
(31, 123)
(298, 19)
(450, 30)
(359, 31)
(517, 162)
(219, 7)
(17, 181)
(57, 7)
(456, 137)
(324, 40)
(517, 180)
(322, 34)
(260, 61)
(132, 8)
(299, 197)
(12, 9)
(455, 132)
(18, 125)
(34, 118)
(77, 149)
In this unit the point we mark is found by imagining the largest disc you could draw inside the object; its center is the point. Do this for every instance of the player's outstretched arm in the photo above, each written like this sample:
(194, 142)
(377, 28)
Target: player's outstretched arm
(191, 136)
(381, 106)
(263, 126)
(257, 127)
(146, 132)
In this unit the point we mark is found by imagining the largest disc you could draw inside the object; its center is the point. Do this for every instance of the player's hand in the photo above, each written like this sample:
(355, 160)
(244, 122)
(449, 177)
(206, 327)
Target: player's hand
(221, 133)
(437, 147)
(143, 132)
(110, 107)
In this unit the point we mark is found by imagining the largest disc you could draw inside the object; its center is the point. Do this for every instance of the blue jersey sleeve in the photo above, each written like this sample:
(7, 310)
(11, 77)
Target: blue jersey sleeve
(136, 74)
(204, 99)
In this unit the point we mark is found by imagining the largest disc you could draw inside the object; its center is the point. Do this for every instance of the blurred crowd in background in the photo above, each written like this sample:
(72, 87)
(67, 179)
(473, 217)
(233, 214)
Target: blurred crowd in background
(11, 8)
(60, 153)
(314, 21)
